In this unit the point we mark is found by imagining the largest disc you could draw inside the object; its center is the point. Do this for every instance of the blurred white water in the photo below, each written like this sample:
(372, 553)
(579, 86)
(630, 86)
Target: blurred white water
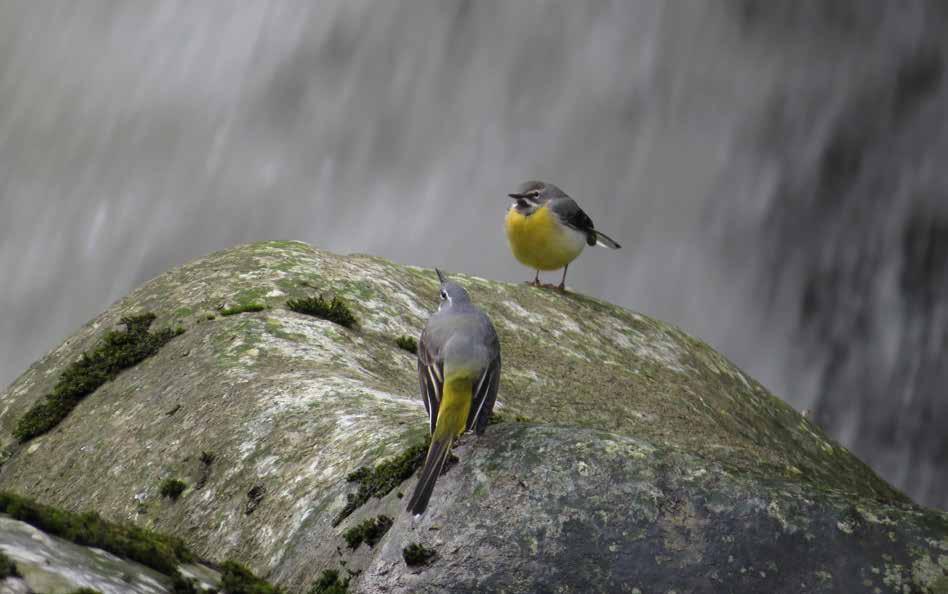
(137, 136)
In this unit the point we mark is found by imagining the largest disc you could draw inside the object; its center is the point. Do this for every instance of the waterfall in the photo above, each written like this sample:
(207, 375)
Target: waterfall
(771, 167)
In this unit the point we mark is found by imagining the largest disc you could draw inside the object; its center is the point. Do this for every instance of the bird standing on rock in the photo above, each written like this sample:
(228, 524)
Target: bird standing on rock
(459, 371)
(547, 229)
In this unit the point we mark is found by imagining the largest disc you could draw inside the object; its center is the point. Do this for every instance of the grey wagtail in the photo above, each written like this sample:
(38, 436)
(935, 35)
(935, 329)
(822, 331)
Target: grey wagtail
(459, 370)
(547, 229)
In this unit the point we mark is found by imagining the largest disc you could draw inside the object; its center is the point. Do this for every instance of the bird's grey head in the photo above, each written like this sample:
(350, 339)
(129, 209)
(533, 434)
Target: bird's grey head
(451, 292)
(531, 195)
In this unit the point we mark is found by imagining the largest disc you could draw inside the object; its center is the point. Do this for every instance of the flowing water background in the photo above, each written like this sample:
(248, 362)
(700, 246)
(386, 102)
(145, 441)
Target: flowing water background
(774, 168)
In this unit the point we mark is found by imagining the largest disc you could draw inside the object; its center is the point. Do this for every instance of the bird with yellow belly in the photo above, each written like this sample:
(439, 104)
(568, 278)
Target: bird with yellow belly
(547, 230)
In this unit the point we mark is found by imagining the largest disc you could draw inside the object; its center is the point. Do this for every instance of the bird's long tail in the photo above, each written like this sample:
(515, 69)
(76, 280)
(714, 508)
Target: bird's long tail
(434, 464)
(605, 241)
(452, 419)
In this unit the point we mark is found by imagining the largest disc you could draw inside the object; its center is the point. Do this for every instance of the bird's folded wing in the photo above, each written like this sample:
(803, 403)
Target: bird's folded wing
(485, 393)
(572, 215)
(431, 378)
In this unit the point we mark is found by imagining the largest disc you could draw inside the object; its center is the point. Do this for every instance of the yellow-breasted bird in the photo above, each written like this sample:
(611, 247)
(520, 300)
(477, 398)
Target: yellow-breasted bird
(547, 230)
(459, 371)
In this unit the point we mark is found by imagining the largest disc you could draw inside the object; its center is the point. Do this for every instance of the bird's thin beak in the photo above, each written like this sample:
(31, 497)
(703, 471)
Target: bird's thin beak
(440, 276)
(518, 196)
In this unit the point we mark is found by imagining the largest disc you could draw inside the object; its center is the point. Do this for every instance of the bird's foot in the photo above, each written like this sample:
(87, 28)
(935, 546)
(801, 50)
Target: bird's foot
(449, 463)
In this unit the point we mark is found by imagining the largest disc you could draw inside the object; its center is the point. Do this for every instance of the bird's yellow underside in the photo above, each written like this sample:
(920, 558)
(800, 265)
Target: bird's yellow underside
(455, 407)
(540, 241)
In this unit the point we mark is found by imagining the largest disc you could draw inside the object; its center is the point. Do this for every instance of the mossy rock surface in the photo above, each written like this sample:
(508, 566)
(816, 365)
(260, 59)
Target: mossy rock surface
(51, 565)
(650, 460)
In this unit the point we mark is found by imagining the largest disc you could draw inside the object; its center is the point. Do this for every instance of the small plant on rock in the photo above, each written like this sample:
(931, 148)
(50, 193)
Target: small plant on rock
(172, 488)
(407, 343)
(237, 579)
(417, 554)
(330, 583)
(243, 308)
(254, 497)
(369, 531)
(334, 310)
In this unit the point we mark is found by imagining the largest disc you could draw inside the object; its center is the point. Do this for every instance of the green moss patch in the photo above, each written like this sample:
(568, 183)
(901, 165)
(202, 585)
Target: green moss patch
(118, 350)
(369, 532)
(85, 591)
(237, 579)
(329, 582)
(417, 554)
(243, 308)
(496, 418)
(7, 567)
(183, 585)
(162, 553)
(379, 481)
(172, 488)
(334, 310)
(407, 343)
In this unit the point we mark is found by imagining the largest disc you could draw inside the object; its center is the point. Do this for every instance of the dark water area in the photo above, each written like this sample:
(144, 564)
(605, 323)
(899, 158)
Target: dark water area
(773, 169)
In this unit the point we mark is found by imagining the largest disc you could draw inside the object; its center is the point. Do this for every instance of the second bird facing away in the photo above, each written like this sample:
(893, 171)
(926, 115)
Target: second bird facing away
(459, 371)
(547, 229)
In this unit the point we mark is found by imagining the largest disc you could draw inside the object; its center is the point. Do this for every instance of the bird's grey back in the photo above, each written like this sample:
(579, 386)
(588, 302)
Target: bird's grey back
(460, 335)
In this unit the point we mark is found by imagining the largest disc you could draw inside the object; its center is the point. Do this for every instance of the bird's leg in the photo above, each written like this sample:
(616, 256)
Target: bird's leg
(536, 280)
(562, 285)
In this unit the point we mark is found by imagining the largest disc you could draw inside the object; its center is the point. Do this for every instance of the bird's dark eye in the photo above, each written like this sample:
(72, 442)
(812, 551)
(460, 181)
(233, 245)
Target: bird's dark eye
(444, 295)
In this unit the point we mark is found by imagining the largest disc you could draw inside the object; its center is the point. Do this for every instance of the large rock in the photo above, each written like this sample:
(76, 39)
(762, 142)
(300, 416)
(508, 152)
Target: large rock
(646, 460)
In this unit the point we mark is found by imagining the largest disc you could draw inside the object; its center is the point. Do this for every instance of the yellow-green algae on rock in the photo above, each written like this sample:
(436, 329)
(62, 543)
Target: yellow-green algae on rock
(650, 461)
